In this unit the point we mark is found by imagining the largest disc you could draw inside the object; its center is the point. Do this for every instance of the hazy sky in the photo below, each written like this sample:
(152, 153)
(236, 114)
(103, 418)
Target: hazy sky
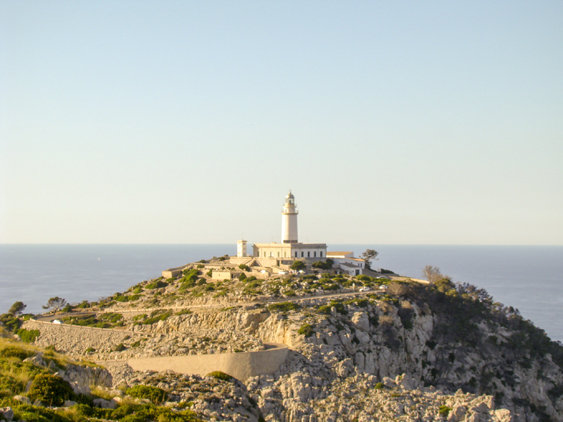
(187, 122)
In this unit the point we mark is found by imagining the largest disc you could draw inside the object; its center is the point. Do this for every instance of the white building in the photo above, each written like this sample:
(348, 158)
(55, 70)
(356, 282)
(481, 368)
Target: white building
(277, 257)
(346, 262)
(288, 250)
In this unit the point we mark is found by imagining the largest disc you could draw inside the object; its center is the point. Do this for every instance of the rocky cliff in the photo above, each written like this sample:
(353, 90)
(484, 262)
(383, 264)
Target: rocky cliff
(409, 352)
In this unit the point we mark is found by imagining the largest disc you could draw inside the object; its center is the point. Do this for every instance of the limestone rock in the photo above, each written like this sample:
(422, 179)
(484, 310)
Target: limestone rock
(7, 413)
(105, 404)
(37, 360)
(22, 399)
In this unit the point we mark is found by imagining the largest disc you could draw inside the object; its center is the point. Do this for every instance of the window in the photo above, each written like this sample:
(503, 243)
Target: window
(302, 255)
(308, 254)
(285, 254)
(321, 254)
(278, 254)
(295, 254)
(264, 254)
(315, 254)
(271, 254)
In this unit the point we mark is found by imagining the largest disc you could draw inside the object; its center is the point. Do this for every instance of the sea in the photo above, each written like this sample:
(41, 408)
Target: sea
(529, 278)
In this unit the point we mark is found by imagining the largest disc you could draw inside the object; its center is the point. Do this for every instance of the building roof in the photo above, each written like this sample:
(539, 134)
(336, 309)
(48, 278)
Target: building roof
(298, 245)
(338, 253)
(357, 259)
(348, 265)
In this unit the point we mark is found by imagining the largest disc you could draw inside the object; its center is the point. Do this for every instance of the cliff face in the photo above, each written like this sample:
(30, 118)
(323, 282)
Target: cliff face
(414, 353)
(353, 344)
(373, 340)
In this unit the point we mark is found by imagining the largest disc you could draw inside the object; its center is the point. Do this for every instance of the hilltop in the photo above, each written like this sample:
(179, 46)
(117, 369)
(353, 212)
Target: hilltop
(367, 347)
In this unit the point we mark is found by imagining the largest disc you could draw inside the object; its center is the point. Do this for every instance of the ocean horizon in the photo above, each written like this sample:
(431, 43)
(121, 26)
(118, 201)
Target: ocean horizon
(529, 278)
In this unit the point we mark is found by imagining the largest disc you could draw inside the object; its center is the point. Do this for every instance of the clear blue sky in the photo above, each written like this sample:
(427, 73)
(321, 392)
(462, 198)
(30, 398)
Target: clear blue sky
(187, 122)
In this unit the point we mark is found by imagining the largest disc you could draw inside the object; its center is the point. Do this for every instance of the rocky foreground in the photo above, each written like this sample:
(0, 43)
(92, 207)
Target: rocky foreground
(411, 352)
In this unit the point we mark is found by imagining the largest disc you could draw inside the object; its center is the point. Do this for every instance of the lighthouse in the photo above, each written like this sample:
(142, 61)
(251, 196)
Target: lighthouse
(289, 220)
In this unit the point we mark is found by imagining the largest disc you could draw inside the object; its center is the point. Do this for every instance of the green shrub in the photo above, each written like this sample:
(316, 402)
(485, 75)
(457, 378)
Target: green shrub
(154, 394)
(290, 293)
(220, 376)
(251, 278)
(325, 309)
(83, 409)
(156, 285)
(190, 276)
(112, 317)
(298, 265)
(11, 323)
(362, 303)
(323, 265)
(283, 307)
(444, 410)
(242, 276)
(50, 389)
(135, 418)
(31, 416)
(28, 336)
(84, 304)
(15, 352)
(157, 318)
(244, 267)
(129, 298)
(119, 348)
(187, 284)
(306, 330)
(183, 312)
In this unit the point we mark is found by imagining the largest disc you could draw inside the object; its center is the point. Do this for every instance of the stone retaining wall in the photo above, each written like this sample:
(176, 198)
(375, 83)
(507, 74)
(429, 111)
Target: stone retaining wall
(239, 365)
(74, 339)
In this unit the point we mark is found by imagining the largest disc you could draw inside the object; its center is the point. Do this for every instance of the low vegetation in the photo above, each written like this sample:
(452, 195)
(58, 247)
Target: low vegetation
(103, 320)
(220, 376)
(154, 394)
(52, 391)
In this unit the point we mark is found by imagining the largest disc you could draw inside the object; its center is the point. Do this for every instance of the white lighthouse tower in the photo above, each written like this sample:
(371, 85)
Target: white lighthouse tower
(289, 220)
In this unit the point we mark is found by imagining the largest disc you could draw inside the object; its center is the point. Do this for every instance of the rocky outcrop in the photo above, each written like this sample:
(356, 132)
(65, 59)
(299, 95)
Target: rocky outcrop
(81, 378)
(359, 398)
(373, 341)
(413, 357)
(212, 398)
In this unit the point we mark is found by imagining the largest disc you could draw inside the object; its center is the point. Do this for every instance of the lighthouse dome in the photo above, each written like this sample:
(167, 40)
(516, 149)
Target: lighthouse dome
(289, 198)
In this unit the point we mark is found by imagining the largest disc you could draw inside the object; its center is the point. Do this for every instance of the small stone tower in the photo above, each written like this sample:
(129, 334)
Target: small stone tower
(241, 248)
(289, 220)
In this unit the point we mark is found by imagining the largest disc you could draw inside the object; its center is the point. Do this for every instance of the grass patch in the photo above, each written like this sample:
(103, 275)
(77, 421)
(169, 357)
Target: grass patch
(306, 330)
(220, 376)
(157, 318)
(154, 394)
(156, 285)
(283, 307)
